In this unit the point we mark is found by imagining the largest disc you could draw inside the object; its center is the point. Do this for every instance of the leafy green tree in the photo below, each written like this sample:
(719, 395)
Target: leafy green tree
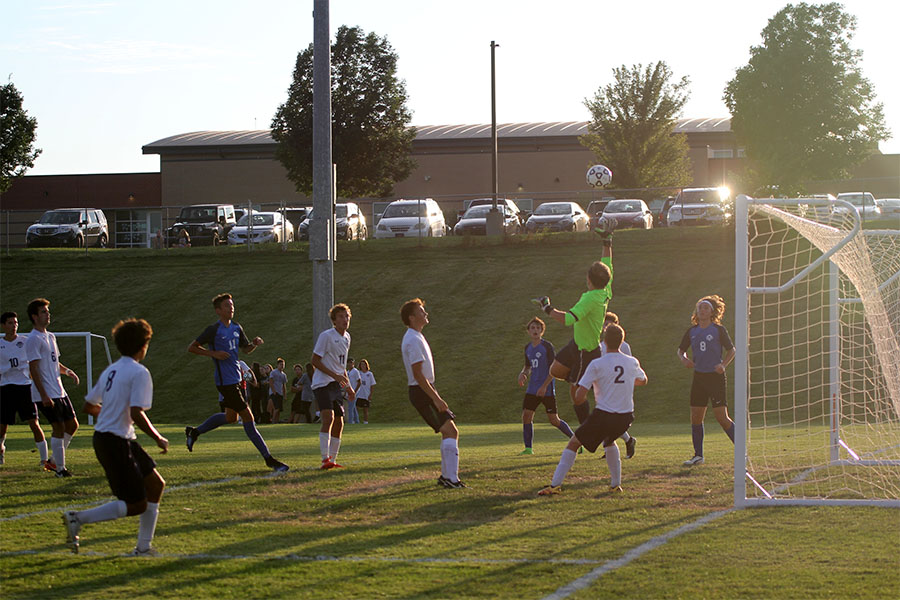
(801, 107)
(371, 136)
(17, 132)
(631, 127)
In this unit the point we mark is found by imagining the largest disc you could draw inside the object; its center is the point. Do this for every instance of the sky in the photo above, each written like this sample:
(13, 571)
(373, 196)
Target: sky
(104, 78)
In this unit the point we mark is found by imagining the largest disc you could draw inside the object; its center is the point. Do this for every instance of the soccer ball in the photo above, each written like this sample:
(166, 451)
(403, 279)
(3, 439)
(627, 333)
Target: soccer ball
(598, 176)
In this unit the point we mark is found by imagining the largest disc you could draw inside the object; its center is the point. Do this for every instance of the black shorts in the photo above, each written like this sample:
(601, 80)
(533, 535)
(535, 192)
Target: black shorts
(329, 398)
(532, 401)
(708, 387)
(576, 360)
(61, 411)
(603, 428)
(126, 465)
(232, 397)
(362, 402)
(277, 401)
(422, 403)
(16, 399)
(295, 404)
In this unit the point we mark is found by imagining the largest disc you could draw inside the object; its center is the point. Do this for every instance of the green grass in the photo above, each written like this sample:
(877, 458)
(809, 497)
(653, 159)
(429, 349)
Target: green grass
(382, 528)
(390, 530)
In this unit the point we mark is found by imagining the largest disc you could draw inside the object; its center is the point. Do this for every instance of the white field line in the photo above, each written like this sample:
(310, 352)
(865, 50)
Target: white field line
(323, 558)
(586, 580)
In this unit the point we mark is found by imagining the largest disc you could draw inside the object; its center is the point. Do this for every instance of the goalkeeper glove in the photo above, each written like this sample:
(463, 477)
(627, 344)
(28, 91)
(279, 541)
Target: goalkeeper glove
(544, 303)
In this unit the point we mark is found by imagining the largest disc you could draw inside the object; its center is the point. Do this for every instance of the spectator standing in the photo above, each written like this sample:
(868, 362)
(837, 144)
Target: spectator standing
(353, 376)
(277, 390)
(366, 385)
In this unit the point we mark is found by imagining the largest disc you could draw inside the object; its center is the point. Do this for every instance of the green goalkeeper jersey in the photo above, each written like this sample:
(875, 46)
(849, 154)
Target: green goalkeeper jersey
(589, 313)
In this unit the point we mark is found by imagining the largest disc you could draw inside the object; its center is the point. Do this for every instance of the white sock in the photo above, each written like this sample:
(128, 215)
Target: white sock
(562, 469)
(42, 449)
(333, 447)
(148, 526)
(615, 465)
(67, 439)
(107, 512)
(450, 459)
(59, 453)
(625, 437)
(324, 444)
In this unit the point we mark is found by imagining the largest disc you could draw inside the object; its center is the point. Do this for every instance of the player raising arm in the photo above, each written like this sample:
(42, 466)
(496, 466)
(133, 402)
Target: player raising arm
(613, 377)
(118, 401)
(707, 338)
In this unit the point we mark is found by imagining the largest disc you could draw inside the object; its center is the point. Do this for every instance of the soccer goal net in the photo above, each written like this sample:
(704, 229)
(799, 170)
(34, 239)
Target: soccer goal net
(817, 370)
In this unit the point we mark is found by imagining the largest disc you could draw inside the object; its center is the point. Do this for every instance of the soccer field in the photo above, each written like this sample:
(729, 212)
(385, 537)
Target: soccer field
(382, 528)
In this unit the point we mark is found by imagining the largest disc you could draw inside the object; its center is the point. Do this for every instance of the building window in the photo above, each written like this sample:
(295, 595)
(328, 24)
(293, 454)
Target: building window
(134, 228)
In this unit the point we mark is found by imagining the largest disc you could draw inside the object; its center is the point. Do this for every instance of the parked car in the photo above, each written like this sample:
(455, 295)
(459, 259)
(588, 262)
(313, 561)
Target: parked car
(296, 215)
(411, 218)
(206, 224)
(510, 204)
(595, 209)
(662, 216)
(261, 227)
(701, 206)
(75, 227)
(558, 216)
(629, 213)
(864, 203)
(474, 221)
(889, 206)
(350, 223)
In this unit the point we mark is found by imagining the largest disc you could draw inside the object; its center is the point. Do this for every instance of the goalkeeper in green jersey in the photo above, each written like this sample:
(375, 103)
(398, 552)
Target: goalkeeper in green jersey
(586, 319)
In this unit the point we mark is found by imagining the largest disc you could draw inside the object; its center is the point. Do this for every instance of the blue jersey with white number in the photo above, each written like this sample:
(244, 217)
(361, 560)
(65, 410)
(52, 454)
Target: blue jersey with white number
(706, 344)
(539, 358)
(229, 339)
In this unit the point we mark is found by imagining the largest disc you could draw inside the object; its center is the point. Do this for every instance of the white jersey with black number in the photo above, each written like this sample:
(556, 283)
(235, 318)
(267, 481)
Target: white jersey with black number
(612, 377)
(366, 381)
(415, 349)
(41, 346)
(332, 348)
(624, 348)
(123, 384)
(14, 362)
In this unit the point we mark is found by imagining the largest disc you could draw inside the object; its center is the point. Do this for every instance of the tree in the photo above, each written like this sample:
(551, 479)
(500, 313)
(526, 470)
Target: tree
(17, 132)
(801, 107)
(631, 127)
(371, 137)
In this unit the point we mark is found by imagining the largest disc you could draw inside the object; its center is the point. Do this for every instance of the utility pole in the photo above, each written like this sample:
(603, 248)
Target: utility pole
(493, 220)
(322, 227)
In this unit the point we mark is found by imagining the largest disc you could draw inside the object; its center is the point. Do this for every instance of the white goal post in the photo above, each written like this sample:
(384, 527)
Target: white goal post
(88, 354)
(817, 364)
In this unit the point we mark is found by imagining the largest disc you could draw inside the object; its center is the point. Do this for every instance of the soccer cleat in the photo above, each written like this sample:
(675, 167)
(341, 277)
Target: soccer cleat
(334, 465)
(73, 526)
(49, 465)
(629, 447)
(276, 465)
(615, 489)
(327, 463)
(697, 460)
(151, 551)
(550, 490)
(63, 473)
(526, 451)
(443, 481)
(456, 484)
(190, 434)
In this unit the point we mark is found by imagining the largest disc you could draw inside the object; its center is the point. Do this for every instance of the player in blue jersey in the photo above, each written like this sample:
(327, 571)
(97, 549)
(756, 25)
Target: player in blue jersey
(539, 355)
(707, 339)
(224, 338)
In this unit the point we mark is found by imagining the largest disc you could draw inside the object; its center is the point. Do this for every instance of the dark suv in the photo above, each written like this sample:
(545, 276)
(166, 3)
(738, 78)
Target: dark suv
(206, 224)
(69, 227)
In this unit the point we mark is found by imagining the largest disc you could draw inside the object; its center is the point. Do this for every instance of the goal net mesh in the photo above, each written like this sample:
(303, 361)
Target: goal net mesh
(823, 360)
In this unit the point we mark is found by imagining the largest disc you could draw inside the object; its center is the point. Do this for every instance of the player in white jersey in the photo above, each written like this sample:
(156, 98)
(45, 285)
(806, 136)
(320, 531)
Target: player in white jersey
(330, 360)
(424, 397)
(47, 391)
(118, 401)
(15, 388)
(613, 318)
(613, 377)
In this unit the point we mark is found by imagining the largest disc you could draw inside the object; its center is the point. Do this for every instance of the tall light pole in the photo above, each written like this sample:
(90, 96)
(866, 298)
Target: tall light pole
(321, 230)
(493, 220)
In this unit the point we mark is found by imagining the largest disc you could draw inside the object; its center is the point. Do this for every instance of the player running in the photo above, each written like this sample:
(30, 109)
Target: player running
(706, 338)
(586, 319)
(539, 354)
(118, 401)
(613, 377)
(224, 338)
